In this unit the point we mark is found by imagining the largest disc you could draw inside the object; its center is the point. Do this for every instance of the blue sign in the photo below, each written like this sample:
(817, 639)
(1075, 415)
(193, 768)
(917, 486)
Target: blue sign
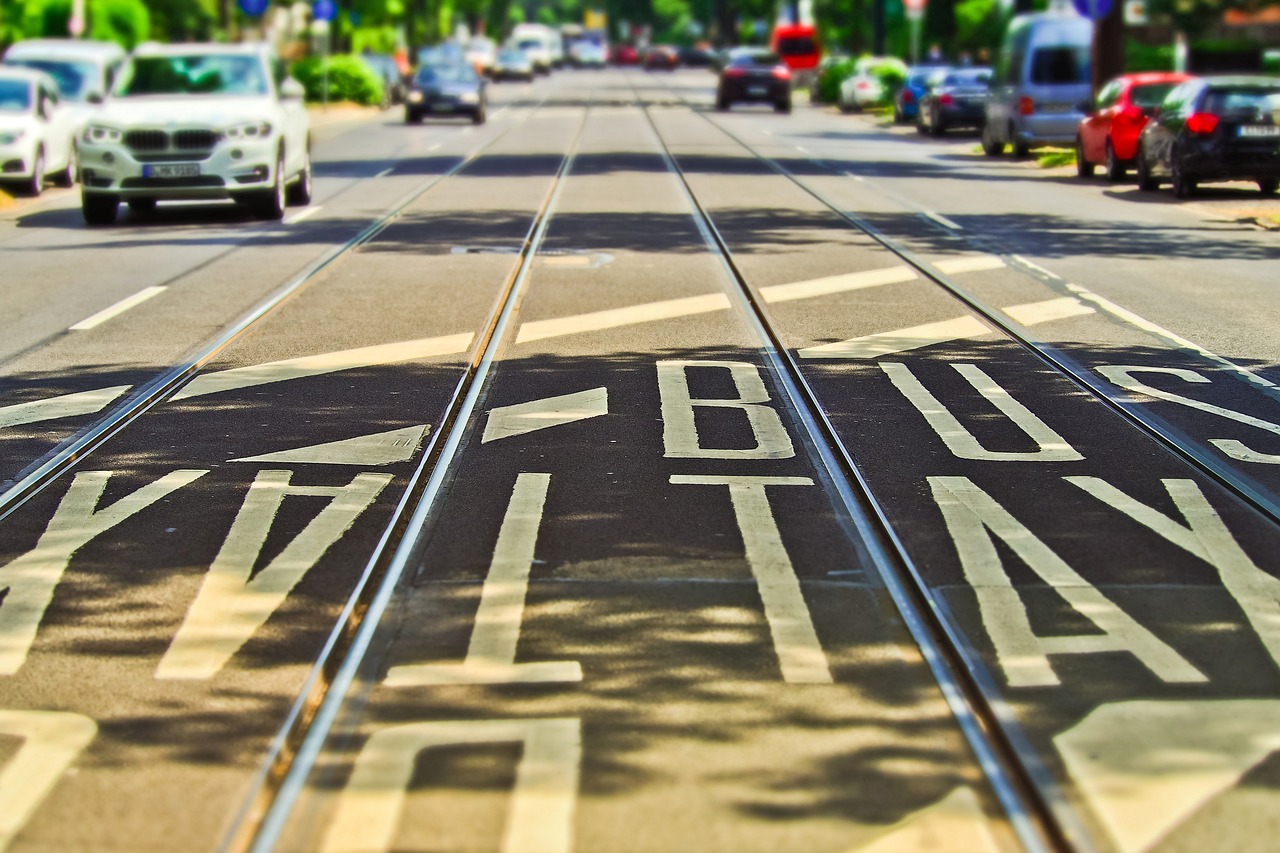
(1094, 9)
(324, 10)
(253, 8)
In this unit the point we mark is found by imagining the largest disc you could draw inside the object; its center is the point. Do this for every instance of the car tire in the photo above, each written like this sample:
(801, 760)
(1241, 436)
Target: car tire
(35, 184)
(722, 104)
(1116, 167)
(898, 117)
(1268, 186)
(783, 106)
(1183, 187)
(99, 209)
(411, 117)
(142, 205)
(936, 127)
(1146, 182)
(270, 204)
(990, 146)
(920, 127)
(478, 117)
(298, 193)
(67, 177)
(1084, 169)
(1019, 148)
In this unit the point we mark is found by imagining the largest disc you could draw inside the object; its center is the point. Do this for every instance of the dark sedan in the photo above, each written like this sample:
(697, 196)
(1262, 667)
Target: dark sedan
(956, 97)
(758, 76)
(1213, 129)
(445, 90)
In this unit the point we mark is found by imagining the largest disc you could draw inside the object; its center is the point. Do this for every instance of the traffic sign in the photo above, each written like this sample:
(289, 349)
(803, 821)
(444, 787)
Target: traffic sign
(253, 8)
(1094, 9)
(914, 9)
(324, 10)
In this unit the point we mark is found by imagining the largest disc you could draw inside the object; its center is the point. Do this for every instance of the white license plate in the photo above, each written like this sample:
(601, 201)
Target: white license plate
(442, 107)
(757, 90)
(171, 170)
(1259, 130)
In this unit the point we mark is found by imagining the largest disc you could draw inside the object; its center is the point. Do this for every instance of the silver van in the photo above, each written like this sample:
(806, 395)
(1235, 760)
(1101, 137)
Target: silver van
(84, 70)
(1042, 76)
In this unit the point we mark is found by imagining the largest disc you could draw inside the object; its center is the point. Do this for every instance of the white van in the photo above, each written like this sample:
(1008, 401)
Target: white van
(84, 70)
(1041, 78)
(541, 44)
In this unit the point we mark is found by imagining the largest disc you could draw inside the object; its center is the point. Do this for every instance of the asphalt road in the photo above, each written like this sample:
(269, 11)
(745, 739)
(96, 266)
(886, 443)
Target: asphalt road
(626, 476)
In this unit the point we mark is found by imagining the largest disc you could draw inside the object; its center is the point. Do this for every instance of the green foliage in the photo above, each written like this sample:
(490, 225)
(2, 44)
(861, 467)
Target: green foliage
(980, 25)
(384, 39)
(830, 78)
(1148, 57)
(126, 22)
(349, 79)
(892, 77)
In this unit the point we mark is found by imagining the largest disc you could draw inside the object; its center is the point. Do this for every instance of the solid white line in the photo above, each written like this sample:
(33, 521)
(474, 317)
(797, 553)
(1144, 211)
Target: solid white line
(975, 263)
(304, 214)
(385, 172)
(942, 220)
(1035, 267)
(836, 284)
(802, 149)
(851, 175)
(431, 148)
(119, 308)
(649, 312)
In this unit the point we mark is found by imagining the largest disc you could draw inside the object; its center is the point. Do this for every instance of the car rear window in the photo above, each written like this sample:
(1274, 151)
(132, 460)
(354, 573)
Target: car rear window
(797, 46)
(968, 78)
(1065, 64)
(1150, 94)
(15, 96)
(446, 74)
(759, 57)
(1252, 103)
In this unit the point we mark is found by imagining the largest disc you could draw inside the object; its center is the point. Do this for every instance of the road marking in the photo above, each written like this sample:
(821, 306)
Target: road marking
(836, 284)
(680, 439)
(795, 640)
(491, 654)
(942, 220)
(975, 263)
(852, 175)
(51, 741)
(612, 319)
(929, 334)
(306, 213)
(234, 601)
(319, 365)
(119, 308)
(1036, 267)
(385, 172)
(962, 443)
(802, 149)
(1145, 767)
(64, 406)
(30, 579)
(435, 147)
(522, 418)
(499, 112)
(540, 817)
(379, 448)
(954, 824)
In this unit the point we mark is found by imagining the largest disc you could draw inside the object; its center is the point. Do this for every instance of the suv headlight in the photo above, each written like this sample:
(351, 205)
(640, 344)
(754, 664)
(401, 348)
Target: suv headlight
(248, 130)
(101, 133)
(8, 137)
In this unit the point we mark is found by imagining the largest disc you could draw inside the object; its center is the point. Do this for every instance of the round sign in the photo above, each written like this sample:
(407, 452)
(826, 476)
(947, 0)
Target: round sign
(253, 8)
(1094, 9)
(913, 5)
(324, 10)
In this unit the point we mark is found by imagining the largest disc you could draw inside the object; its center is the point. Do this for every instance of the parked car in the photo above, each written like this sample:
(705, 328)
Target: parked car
(37, 131)
(446, 90)
(1108, 136)
(198, 121)
(661, 58)
(83, 69)
(864, 88)
(1042, 76)
(955, 98)
(1214, 129)
(586, 53)
(755, 76)
(906, 101)
(481, 53)
(694, 56)
(625, 54)
(388, 71)
(512, 64)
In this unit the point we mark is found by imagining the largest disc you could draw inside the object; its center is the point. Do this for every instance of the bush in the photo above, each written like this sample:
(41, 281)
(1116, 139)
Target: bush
(892, 77)
(126, 22)
(830, 78)
(349, 79)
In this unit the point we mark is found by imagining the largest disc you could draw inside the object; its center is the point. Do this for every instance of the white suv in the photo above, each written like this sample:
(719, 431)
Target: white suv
(198, 122)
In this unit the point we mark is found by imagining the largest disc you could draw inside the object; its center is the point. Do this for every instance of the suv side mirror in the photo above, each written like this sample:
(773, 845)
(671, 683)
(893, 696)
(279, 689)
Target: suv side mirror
(292, 90)
(95, 98)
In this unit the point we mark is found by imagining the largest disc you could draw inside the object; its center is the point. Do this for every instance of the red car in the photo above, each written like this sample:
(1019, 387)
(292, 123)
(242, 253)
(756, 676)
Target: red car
(1108, 136)
(625, 54)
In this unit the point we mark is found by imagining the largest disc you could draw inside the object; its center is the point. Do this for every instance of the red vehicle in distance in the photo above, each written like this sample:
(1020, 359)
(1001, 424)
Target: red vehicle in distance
(797, 45)
(1108, 136)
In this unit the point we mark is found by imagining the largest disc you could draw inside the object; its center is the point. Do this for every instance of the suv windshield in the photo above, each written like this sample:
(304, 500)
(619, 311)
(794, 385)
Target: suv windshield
(202, 74)
(15, 96)
(73, 78)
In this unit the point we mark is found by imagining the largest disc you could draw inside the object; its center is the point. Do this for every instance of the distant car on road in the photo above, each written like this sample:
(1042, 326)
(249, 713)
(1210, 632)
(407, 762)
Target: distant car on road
(863, 88)
(445, 90)
(661, 58)
(955, 98)
(1214, 129)
(906, 101)
(37, 131)
(586, 53)
(1108, 136)
(512, 64)
(625, 54)
(198, 121)
(755, 76)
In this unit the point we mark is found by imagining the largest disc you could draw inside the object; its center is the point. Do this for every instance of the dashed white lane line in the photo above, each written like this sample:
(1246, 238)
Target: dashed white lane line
(942, 220)
(116, 310)
(435, 147)
(304, 214)
(647, 313)
(976, 263)
(836, 284)
(385, 172)
(852, 175)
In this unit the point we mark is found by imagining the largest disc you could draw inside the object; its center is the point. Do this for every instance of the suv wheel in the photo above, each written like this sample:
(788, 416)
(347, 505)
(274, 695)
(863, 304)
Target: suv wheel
(1183, 187)
(1084, 169)
(299, 192)
(1268, 186)
(269, 204)
(1115, 166)
(990, 146)
(67, 176)
(35, 183)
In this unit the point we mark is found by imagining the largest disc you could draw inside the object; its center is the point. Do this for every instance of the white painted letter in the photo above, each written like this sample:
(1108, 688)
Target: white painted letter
(52, 740)
(972, 516)
(233, 602)
(1053, 447)
(680, 432)
(542, 802)
(28, 582)
(1122, 375)
(794, 639)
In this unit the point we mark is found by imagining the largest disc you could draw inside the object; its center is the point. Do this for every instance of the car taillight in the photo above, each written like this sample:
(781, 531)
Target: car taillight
(1202, 123)
(946, 100)
(782, 72)
(907, 97)
(1026, 106)
(734, 72)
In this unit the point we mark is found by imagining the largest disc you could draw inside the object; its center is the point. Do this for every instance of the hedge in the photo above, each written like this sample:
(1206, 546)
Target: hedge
(350, 79)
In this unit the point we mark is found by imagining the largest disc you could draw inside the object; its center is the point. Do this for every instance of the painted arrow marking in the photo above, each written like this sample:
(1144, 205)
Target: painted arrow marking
(534, 415)
(954, 824)
(379, 448)
(64, 406)
(960, 328)
(1147, 766)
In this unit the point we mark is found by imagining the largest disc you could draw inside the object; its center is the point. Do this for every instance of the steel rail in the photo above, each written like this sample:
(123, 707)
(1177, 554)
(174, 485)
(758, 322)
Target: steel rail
(298, 744)
(146, 396)
(1034, 819)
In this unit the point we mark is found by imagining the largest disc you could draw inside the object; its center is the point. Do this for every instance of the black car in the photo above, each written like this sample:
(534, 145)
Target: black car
(956, 97)
(1213, 129)
(445, 90)
(757, 75)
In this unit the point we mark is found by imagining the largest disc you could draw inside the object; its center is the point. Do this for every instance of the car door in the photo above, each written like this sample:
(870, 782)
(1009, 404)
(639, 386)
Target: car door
(1095, 129)
(57, 127)
(1158, 137)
